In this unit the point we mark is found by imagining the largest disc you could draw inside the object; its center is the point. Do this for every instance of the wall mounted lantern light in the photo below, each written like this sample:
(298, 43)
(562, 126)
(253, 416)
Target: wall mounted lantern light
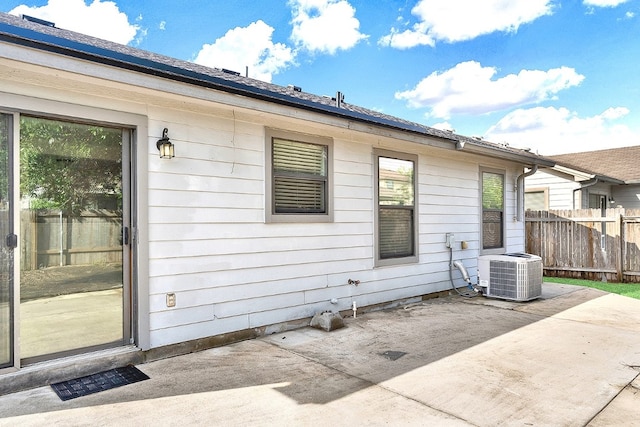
(165, 147)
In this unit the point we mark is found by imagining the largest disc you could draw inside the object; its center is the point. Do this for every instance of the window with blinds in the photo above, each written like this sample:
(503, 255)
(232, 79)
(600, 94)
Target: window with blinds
(298, 173)
(299, 177)
(396, 232)
(396, 212)
(492, 210)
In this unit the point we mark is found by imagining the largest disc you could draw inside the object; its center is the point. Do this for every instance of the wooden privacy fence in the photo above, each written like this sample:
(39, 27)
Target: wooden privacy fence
(586, 243)
(53, 238)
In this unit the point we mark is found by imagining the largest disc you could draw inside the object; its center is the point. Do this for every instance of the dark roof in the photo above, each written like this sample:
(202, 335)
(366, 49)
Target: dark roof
(617, 163)
(19, 31)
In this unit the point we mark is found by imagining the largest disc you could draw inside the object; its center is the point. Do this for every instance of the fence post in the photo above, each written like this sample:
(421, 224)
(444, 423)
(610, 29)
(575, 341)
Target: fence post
(33, 221)
(620, 260)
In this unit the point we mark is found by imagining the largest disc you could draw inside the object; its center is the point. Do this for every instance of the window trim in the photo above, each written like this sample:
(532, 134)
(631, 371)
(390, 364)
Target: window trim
(270, 215)
(501, 249)
(412, 259)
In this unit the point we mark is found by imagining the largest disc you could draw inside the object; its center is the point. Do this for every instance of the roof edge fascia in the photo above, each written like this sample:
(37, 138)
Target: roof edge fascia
(586, 175)
(575, 172)
(474, 148)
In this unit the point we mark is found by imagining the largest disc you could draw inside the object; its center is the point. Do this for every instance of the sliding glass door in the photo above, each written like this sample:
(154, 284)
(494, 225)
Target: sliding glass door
(73, 234)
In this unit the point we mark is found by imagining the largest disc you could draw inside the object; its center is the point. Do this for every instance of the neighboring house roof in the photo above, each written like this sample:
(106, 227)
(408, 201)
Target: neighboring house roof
(614, 164)
(49, 38)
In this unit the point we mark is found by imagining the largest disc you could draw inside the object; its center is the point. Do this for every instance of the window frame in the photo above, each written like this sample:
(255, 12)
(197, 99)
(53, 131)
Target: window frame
(414, 258)
(270, 215)
(501, 249)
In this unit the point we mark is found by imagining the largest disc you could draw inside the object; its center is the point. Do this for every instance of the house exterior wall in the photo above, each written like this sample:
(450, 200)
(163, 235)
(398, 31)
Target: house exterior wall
(233, 271)
(599, 189)
(560, 188)
(201, 216)
(627, 196)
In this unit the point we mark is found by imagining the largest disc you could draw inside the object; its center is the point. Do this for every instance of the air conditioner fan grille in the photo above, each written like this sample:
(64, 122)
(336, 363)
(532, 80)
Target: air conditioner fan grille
(519, 281)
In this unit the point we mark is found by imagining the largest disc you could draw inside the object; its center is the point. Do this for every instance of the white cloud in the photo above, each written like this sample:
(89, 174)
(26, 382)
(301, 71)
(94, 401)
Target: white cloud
(458, 20)
(324, 26)
(550, 130)
(162, 25)
(142, 34)
(100, 19)
(604, 3)
(443, 126)
(469, 88)
(406, 39)
(247, 46)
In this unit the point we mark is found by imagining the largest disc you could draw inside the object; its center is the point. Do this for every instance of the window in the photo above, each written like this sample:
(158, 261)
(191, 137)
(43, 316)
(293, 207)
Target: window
(298, 177)
(396, 213)
(492, 210)
(536, 199)
(597, 201)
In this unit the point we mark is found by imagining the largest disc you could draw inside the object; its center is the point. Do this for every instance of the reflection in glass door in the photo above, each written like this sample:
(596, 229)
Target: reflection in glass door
(71, 281)
(6, 244)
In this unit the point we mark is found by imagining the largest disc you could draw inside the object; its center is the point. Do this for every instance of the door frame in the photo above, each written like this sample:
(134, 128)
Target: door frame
(135, 254)
(14, 362)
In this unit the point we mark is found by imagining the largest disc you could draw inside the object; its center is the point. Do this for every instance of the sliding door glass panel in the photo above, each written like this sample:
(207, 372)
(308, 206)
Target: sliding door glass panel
(71, 290)
(6, 251)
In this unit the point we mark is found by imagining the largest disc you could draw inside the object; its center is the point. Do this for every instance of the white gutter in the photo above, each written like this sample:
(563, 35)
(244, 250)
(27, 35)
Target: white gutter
(590, 183)
(520, 192)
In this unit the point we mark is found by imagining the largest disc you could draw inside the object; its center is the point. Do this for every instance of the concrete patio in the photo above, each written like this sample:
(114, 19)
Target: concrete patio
(571, 358)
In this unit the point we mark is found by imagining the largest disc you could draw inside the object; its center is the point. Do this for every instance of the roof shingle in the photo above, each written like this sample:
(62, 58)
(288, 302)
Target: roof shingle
(619, 163)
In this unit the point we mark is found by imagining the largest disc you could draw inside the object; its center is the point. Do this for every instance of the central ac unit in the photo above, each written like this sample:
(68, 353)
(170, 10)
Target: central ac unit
(516, 276)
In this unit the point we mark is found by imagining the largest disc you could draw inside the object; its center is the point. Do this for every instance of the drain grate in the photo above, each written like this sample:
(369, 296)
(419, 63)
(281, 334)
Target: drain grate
(101, 381)
(393, 355)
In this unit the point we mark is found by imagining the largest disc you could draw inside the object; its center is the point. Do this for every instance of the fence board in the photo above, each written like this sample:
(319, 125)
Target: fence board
(50, 239)
(631, 251)
(586, 243)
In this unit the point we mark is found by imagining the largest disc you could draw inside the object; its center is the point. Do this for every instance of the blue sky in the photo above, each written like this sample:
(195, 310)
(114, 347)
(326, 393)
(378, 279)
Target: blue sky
(556, 76)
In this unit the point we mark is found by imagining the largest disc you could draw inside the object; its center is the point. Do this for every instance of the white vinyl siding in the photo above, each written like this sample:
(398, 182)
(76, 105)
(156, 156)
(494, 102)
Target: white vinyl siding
(231, 271)
(560, 188)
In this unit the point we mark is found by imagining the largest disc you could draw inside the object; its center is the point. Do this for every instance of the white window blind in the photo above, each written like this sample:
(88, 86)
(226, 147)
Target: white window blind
(396, 232)
(299, 177)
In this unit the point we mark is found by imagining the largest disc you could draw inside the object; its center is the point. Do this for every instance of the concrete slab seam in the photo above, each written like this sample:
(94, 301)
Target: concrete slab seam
(374, 384)
(630, 384)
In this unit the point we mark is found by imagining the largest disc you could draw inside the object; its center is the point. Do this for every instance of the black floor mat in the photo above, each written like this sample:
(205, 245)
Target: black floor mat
(101, 381)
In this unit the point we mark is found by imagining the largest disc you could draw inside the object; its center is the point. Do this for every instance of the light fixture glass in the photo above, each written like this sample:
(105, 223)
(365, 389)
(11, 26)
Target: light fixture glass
(165, 147)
